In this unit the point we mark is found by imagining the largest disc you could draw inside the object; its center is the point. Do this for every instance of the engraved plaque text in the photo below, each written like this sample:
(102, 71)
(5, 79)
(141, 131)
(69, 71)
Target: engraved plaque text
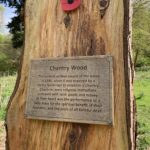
(71, 89)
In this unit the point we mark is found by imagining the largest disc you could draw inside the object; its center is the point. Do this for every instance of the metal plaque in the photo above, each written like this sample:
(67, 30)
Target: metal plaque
(76, 89)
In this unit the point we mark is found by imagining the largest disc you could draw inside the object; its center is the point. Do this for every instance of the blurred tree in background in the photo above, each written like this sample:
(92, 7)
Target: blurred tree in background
(141, 32)
(16, 26)
(9, 57)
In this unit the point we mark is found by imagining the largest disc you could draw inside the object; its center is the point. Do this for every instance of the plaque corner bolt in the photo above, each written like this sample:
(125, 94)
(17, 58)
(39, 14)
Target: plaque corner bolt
(110, 123)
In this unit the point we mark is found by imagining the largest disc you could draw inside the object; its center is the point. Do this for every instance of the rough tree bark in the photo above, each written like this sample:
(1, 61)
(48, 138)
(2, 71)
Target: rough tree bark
(89, 30)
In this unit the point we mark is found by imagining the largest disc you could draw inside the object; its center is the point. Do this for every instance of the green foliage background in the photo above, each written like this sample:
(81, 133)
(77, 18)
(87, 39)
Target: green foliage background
(142, 94)
(9, 57)
(141, 33)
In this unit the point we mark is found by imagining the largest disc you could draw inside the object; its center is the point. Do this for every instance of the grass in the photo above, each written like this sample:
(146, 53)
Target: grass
(6, 87)
(142, 94)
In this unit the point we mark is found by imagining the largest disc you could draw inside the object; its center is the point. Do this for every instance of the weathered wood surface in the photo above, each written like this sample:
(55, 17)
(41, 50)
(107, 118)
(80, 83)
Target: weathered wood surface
(49, 32)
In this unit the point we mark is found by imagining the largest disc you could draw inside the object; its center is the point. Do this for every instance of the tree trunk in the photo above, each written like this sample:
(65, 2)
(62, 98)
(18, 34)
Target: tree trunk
(92, 29)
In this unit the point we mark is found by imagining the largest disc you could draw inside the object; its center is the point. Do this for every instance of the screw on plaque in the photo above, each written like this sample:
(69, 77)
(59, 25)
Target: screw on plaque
(68, 5)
